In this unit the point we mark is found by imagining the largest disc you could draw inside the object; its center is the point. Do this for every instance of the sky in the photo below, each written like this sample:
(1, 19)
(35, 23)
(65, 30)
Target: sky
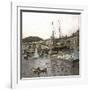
(40, 24)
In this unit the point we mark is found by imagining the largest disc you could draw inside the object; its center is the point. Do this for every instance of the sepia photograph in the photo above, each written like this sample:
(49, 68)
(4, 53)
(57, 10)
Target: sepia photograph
(49, 43)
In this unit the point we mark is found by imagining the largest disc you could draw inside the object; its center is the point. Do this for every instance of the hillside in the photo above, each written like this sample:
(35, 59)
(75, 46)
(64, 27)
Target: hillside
(32, 39)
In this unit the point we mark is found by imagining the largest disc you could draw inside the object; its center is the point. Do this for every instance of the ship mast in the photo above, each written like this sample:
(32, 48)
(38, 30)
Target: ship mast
(53, 33)
(59, 29)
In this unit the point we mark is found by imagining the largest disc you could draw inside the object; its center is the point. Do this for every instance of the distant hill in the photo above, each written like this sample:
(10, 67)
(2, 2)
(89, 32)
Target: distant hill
(32, 39)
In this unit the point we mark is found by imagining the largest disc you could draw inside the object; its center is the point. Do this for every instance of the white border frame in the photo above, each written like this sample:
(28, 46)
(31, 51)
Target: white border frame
(15, 43)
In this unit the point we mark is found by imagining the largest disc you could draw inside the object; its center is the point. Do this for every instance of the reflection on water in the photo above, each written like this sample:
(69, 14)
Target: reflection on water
(36, 55)
(28, 67)
(50, 65)
(44, 67)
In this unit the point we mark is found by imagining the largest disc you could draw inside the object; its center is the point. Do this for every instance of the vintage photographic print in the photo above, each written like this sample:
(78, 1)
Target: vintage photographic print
(49, 43)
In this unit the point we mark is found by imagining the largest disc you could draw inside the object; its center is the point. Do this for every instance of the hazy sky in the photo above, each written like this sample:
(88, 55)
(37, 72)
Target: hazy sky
(40, 24)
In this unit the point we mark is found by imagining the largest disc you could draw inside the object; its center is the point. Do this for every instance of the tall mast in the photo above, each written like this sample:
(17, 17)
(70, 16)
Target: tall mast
(53, 33)
(59, 29)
